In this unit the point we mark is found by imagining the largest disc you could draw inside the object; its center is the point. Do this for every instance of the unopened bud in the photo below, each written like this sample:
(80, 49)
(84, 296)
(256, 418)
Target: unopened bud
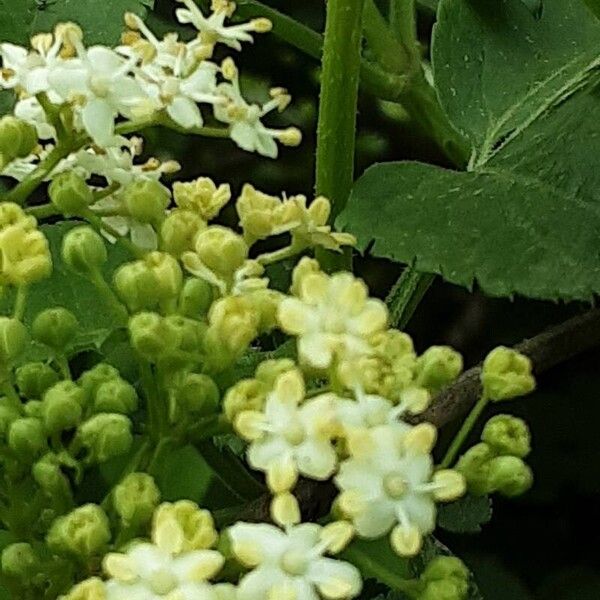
(17, 138)
(179, 230)
(8, 415)
(445, 567)
(136, 498)
(437, 367)
(475, 466)
(33, 408)
(269, 370)
(197, 394)
(196, 298)
(62, 407)
(83, 250)
(70, 193)
(146, 200)
(27, 438)
(55, 327)
(106, 436)
(151, 336)
(82, 534)
(33, 379)
(506, 374)
(48, 475)
(245, 395)
(137, 285)
(90, 589)
(168, 274)
(20, 561)
(202, 197)
(508, 435)
(221, 250)
(116, 396)
(91, 380)
(509, 476)
(447, 589)
(194, 526)
(13, 337)
(234, 321)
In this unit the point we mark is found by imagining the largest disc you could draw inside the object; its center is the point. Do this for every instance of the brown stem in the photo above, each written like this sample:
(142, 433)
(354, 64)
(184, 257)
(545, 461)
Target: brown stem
(546, 350)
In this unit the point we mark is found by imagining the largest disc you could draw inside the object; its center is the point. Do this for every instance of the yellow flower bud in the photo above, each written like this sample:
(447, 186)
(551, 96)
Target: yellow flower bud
(269, 370)
(137, 285)
(146, 200)
(506, 374)
(24, 255)
(221, 250)
(179, 230)
(167, 272)
(306, 266)
(245, 395)
(13, 214)
(202, 196)
(136, 498)
(235, 322)
(437, 367)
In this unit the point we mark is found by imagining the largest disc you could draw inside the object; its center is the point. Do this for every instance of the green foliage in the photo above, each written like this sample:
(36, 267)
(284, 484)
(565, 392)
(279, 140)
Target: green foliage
(466, 515)
(524, 217)
(102, 22)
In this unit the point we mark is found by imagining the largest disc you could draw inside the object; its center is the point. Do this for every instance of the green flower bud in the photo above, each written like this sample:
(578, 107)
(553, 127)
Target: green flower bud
(91, 380)
(82, 534)
(506, 374)
(8, 415)
(167, 272)
(196, 298)
(83, 250)
(13, 337)
(151, 336)
(116, 396)
(33, 408)
(509, 476)
(247, 394)
(269, 370)
(20, 561)
(137, 285)
(27, 438)
(449, 589)
(437, 367)
(146, 200)
(33, 379)
(70, 193)
(62, 407)
(507, 435)
(221, 250)
(136, 498)
(445, 567)
(234, 323)
(189, 332)
(197, 394)
(17, 138)
(48, 474)
(475, 466)
(55, 327)
(105, 436)
(179, 230)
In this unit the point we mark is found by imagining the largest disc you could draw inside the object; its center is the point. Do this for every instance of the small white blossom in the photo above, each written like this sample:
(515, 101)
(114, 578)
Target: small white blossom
(31, 111)
(290, 564)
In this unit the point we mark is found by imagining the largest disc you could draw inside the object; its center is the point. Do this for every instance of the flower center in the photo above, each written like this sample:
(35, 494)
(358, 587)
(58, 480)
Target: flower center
(162, 582)
(100, 85)
(395, 485)
(294, 563)
(294, 433)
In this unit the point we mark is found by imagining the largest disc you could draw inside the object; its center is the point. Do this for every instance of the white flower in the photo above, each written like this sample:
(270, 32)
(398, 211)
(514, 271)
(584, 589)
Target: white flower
(247, 129)
(389, 482)
(21, 69)
(149, 572)
(290, 564)
(291, 436)
(332, 316)
(212, 29)
(31, 111)
(101, 79)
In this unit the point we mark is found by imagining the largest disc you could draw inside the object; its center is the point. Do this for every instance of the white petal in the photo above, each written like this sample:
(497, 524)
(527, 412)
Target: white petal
(316, 349)
(263, 452)
(185, 112)
(104, 60)
(268, 540)
(294, 316)
(335, 578)
(316, 459)
(244, 135)
(99, 121)
(69, 81)
(144, 236)
(258, 583)
(377, 520)
(421, 511)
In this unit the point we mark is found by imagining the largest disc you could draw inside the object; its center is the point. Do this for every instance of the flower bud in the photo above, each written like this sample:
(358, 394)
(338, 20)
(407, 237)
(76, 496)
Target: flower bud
(269, 370)
(195, 527)
(62, 407)
(70, 193)
(13, 337)
(197, 394)
(27, 438)
(201, 196)
(48, 475)
(82, 534)
(234, 322)
(33, 379)
(506, 374)
(508, 435)
(83, 250)
(137, 285)
(179, 230)
(106, 436)
(25, 254)
(509, 476)
(151, 336)
(475, 466)
(221, 250)
(247, 394)
(196, 298)
(445, 567)
(306, 266)
(135, 499)
(8, 415)
(146, 200)
(55, 327)
(20, 561)
(33, 408)
(437, 367)
(116, 396)
(17, 138)
(90, 589)
(447, 589)
(91, 380)
(168, 274)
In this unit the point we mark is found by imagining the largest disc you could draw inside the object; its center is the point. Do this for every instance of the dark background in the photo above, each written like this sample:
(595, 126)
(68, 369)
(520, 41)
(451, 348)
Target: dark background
(544, 545)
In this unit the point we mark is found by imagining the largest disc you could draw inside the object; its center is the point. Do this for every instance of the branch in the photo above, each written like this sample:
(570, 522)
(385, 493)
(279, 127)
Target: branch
(546, 350)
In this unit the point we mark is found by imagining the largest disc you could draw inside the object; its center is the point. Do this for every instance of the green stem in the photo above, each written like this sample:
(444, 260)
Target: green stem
(406, 295)
(403, 23)
(63, 366)
(152, 400)
(20, 302)
(463, 432)
(43, 211)
(336, 131)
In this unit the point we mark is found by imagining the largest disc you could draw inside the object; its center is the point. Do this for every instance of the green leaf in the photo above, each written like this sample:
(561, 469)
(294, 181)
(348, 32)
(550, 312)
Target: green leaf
(466, 515)
(65, 288)
(101, 21)
(594, 6)
(524, 219)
